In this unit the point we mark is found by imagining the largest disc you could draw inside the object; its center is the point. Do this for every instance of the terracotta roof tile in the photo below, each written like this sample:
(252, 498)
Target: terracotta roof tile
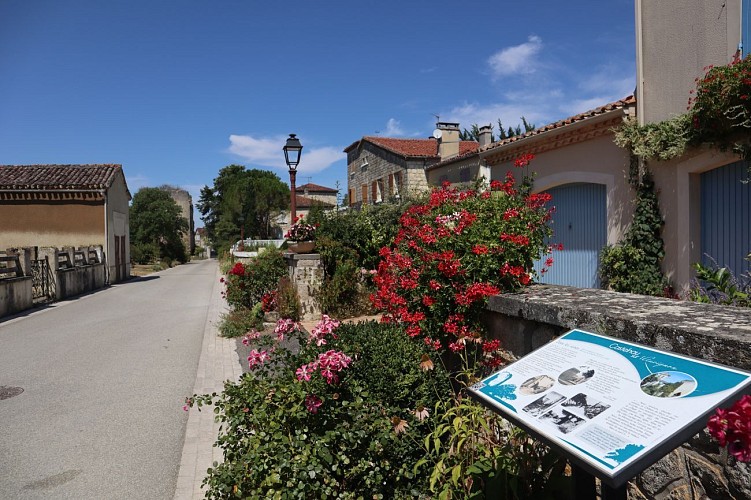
(57, 177)
(413, 148)
(316, 188)
(621, 104)
(305, 202)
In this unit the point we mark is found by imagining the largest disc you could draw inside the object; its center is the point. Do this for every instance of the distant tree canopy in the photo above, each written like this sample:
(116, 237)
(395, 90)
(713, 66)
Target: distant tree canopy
(156, 227)
(252, 198)
(473, 134)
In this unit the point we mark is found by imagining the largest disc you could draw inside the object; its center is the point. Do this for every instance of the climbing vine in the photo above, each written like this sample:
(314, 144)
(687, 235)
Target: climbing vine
(718, 115)
(633, 265)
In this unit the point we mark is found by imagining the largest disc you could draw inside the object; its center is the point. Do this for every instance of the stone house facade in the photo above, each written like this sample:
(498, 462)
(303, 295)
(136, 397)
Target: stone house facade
(67, 205)
(185, 202)
(384, 168)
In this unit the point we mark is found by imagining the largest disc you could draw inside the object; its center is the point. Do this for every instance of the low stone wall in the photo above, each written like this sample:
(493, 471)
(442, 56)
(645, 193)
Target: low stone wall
(306, 274)
(79, 280)
(698, 469)
(15, 295)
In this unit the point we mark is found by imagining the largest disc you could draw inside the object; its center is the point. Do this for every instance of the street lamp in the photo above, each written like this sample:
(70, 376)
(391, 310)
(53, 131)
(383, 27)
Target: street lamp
(292, 153)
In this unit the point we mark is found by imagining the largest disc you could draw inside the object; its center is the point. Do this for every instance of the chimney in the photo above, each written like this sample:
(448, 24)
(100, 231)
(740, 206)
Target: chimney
(448, 144)
(485, 135)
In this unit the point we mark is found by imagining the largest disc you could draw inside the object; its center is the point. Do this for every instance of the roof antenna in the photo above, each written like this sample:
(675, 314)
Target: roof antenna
(437, 118)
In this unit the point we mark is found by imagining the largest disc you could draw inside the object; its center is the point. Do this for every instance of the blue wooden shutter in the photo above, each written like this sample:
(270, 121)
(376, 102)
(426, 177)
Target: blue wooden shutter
(580, 224)
(726, 217)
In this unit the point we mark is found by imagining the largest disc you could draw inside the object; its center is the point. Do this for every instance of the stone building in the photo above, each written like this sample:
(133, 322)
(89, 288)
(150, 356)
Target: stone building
(185, 202)
(67, 205)
(381, 168)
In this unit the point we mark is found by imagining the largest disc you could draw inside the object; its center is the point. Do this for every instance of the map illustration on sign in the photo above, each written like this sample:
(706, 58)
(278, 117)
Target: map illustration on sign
(607, 402)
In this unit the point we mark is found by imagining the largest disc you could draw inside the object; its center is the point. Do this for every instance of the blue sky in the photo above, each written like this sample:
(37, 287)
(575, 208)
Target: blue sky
(176, 90)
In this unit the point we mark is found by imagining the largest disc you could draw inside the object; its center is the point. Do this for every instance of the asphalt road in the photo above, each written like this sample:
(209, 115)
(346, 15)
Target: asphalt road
(104, 377)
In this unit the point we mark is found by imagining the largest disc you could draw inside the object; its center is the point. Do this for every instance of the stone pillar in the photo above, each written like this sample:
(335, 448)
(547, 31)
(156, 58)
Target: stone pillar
(306, 275)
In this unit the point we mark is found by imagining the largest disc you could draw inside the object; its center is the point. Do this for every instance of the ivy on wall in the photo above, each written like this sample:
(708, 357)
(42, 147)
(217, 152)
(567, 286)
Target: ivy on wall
(633, 265)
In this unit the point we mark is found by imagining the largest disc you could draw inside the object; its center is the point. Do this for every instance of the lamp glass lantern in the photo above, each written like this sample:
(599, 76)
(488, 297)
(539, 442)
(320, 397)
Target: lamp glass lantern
(292, 151)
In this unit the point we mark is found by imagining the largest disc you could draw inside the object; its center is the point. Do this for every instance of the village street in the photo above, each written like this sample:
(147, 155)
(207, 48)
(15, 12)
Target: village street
(104, 377)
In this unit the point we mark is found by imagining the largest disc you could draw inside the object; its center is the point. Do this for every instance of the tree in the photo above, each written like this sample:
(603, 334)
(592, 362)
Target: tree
(473, 134)
(156, 227)
(249, 198)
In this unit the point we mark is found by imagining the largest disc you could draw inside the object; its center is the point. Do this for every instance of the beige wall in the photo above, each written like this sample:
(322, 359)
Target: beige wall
(452, 171)
(51, 223)
(118, 223)
(597, 161)
(678, 184)
(675, 40)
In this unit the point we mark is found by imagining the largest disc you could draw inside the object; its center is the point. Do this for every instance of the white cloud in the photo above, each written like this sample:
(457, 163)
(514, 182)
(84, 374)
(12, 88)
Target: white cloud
(267, 152)
(393, 127)
(518, 59)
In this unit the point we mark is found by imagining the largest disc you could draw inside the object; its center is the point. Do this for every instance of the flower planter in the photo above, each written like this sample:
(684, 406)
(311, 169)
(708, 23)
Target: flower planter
(302, 247)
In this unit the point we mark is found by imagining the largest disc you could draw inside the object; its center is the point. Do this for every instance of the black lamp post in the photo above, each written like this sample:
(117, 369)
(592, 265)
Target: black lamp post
(292, 153)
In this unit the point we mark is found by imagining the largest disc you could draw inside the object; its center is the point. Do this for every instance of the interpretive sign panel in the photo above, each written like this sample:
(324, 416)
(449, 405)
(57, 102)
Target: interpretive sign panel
(613, 407)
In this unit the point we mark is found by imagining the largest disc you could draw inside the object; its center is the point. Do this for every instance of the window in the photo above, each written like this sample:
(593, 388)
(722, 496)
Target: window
(364, 165)
(379, 191)
(374, 191)
(464, 174)
(364, 194)
(397, 187)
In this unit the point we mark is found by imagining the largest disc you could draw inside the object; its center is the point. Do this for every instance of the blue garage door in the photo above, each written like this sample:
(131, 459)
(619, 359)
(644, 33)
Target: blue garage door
(726, 217)
(580, 224)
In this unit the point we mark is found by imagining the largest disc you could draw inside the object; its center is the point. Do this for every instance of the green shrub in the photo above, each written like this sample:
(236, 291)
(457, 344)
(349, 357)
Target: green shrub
(344, 294)
(717, 285)
(287, 301)
(239, 322)
(246, 284)
(361, 441)
(144, 253)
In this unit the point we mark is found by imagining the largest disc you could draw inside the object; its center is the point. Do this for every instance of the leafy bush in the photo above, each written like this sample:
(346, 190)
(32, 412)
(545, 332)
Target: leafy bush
(239, 322)
(144, 253)
(246, 284)
(287, 301)
(322, 423)
(717, 285)
(344, 294)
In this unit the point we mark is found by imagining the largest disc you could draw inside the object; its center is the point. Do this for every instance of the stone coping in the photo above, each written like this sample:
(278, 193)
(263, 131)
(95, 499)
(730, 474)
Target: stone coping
(721, 334)
(302, 256)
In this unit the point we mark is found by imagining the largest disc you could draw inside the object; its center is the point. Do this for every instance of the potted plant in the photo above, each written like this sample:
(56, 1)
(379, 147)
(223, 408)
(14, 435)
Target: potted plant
(303, 235)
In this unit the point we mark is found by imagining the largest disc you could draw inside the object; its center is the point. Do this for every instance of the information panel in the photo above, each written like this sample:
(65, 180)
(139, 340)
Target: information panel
(612, 406)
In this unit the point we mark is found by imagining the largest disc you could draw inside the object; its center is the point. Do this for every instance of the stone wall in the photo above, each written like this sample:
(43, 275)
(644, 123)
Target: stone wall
(15, 295)
(306, 274)
(699, 468)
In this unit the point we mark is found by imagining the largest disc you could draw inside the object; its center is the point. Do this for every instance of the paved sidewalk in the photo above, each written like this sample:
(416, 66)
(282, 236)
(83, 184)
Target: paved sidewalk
(218, 362)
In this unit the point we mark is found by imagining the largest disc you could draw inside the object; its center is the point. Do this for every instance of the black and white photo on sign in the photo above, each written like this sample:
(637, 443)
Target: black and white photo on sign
(536, 385)
(565, 421)
(576, 375)
(541, 405)
(583, 405)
